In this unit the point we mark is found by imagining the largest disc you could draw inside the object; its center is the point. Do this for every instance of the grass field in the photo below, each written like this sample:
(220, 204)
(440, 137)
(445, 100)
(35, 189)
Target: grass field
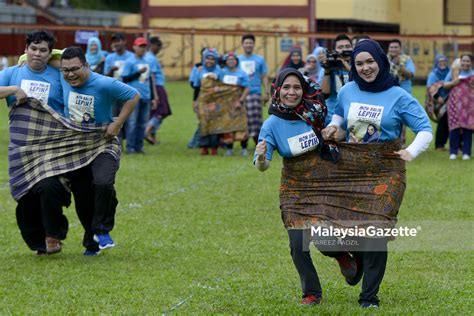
(203, 235)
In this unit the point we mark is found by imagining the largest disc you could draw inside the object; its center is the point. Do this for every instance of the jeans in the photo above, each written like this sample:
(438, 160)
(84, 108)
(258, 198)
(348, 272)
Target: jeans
(455, 139)
(155, 123)
(136, 125)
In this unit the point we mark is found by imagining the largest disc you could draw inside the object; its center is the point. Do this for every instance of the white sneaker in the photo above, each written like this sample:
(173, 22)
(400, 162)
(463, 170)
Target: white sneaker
(245, 152)
(452, 156)
(229, 152)
(466, 157)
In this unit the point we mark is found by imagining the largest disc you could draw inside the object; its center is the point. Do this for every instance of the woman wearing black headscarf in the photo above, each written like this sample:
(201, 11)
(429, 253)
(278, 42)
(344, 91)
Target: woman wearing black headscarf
(374, 99)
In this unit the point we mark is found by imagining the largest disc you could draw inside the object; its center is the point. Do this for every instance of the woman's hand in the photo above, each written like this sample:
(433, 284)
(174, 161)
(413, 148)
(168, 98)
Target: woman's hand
(329, 132)
(405, 155)
(261, 150)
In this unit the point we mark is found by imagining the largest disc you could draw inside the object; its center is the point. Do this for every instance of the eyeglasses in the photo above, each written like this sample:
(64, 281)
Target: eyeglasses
(312, 61)
(74, 70)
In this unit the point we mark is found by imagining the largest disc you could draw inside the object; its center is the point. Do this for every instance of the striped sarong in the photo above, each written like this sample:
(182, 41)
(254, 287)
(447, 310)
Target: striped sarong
(365, 187)
(44, 144)
(254, 105)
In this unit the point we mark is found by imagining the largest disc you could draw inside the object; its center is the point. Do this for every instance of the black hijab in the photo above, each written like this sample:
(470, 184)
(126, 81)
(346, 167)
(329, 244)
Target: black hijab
(384, 79)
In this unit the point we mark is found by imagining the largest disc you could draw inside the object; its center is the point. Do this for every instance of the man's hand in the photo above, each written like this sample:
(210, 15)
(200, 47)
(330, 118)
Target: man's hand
(261, 151)
(113, 129)
(405, 155)
(113, 69)
(345, 64)
(329, 132)
(20, 96)
(142, 70)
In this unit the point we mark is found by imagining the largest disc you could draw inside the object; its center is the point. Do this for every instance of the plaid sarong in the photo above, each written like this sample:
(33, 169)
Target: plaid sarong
(219, 109)
(254, 114)
(365, 187)
(44, 144)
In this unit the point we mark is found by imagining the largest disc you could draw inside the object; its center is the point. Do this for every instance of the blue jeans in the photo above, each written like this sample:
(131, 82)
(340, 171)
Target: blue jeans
(155, 123)
(136, 125)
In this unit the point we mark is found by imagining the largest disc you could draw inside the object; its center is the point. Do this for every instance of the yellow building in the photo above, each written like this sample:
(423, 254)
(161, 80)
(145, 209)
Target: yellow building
(233, 18)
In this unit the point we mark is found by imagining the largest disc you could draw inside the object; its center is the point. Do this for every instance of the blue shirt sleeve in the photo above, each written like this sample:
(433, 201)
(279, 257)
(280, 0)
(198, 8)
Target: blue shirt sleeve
(431, 80)
(339, 108)
(413, 115)
(122, 91)
(410, 66)
(197, 79)
(449, 77)
(192, 75)
(267, 135)
(108, 64)
(321, 76)
(5, 76)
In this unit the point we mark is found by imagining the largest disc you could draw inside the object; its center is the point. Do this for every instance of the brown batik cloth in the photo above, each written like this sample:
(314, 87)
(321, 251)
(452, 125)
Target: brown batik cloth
(364, 188)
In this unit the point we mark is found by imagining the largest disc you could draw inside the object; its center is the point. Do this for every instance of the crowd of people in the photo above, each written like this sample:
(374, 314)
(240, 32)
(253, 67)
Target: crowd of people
(336, 117)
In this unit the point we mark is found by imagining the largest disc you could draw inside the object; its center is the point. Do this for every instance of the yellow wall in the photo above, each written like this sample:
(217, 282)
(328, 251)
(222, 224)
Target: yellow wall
(426, 17)
(220, 2)
(383, 11)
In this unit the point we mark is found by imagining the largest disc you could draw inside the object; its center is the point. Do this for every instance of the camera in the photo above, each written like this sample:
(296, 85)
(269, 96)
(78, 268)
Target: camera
(332, 59)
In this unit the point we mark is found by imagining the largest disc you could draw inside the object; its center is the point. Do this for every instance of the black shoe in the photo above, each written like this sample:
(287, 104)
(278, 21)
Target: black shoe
(358, 276)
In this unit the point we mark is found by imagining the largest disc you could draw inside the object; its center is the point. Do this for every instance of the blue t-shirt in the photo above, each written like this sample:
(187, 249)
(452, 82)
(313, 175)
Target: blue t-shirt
(406, 84)
(159, 76)
(238, 77)
(255, 67)
(44, 86)
(204, 72)
(462, 74)
(378, 117)
(116, 60)
(92, 102)
(193, 74)
(432, 79)
(142, 84)
(289, 138)
(337, 79)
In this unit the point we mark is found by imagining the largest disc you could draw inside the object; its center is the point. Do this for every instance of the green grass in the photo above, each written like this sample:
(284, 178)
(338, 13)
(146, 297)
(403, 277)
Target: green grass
(204, 235)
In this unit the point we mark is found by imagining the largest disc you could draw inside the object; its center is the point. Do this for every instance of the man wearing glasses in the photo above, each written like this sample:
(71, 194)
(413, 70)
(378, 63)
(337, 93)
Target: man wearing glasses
(39, 212)
(89, 97)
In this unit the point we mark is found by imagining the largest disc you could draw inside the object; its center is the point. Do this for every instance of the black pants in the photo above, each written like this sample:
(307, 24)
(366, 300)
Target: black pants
(95, 196)
(374, 263)
(209, 141)
(442, 132)
(39, 213)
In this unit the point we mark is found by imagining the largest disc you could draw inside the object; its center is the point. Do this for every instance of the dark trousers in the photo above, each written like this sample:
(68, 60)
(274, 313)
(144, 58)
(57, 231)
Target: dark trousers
(39, 213)
(95, 196)
(442, 132)
(374, 263)
(455, 139)
(209, 141)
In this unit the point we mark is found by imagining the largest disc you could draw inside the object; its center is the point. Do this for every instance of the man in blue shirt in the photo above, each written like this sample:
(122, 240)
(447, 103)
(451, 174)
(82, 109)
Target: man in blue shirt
(39, 213)
(89, 96)
(113, 67)
(401, 65)
(139, 73)
(162, 110)
(336, 73)
(257, 70)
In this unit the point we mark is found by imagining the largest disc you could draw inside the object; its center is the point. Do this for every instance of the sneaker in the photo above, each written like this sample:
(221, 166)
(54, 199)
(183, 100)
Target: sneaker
(358, 276)
(91, 253)
(466, 157)
(53, 245)
(104, 240)
(348, 265)
(452, 156)
(229, 152)
(369, 305)
(311, 299)
(245, 152)
(204, 151)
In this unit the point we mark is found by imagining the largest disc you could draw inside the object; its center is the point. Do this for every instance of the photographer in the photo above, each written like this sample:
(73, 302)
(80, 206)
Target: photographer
(336, 72)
